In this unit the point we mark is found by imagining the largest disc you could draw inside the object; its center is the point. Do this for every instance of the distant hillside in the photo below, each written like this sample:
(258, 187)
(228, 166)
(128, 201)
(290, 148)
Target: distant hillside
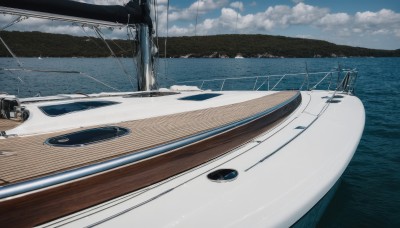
(33, 44)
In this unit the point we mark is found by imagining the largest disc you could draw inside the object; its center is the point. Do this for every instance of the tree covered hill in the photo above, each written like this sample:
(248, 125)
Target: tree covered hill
(34, 44)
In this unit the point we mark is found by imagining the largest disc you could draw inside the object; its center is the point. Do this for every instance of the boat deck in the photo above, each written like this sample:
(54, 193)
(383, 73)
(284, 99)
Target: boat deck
(6, 124)
(28, 157)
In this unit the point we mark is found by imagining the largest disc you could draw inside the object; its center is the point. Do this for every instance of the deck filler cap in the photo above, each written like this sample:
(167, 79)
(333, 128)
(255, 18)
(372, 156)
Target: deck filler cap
(223, 175)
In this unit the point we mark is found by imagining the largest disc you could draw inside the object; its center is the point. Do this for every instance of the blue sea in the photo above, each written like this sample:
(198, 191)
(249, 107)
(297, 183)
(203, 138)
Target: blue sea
(369, 194)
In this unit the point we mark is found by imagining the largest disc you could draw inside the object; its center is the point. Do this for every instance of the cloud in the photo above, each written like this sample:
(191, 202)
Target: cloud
(197, 7)
(383, 22)
(336, 19)
(397, 32)
(370, 19)
(280, 16)
(224, 17)
(237, 5)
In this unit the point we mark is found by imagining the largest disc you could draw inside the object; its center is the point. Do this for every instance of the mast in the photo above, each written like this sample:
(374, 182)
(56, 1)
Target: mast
(145, 60)
(145, 55)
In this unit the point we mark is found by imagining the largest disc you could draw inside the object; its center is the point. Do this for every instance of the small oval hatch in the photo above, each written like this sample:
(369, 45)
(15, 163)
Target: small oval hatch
(223, 175)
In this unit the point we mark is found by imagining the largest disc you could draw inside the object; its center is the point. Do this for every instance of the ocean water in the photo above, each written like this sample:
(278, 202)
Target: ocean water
(369, 194)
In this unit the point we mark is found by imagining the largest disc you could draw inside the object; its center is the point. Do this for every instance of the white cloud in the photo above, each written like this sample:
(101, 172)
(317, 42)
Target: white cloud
(6, 19)
(237, 5)
(62, 29)
(383, 22)
(181, 31)
(231, 18)
(336, 19)
(197, 7)
(279, 16)
(306, 14)
(384, 16)
(397, 32)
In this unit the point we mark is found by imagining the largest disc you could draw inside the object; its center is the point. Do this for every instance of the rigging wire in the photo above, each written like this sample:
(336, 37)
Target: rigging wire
(136, 51)
(165, 45)
(11, 52)
(237, 18)
(17, 20)
(197, 15)
(94, 41)
(97, 80)
(90, 37)
(17, 77)
(21, 18)
(166, 37)
(99, 34)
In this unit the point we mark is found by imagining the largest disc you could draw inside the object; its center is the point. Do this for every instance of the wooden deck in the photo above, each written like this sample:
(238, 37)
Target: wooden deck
(34, 159)
(6, 124)
(60, 200)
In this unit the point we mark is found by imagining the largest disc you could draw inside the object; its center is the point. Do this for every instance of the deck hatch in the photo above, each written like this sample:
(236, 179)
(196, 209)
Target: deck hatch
(86, 137)
(151, 94)
(200, 97)
(61, 109)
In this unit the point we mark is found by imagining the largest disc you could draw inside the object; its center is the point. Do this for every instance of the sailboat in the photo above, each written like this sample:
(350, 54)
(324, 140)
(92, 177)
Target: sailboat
(175, 157)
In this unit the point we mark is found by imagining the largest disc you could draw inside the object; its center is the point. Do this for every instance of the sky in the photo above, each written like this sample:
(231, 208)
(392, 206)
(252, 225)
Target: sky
(362, 23)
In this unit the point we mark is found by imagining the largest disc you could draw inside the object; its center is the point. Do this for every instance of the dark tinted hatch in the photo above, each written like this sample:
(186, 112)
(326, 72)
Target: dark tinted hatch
(89, 136)
(200, 97)
(150, 94)
(61, 109)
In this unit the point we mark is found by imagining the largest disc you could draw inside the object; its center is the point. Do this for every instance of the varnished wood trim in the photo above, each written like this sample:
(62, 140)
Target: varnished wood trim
(46, 205)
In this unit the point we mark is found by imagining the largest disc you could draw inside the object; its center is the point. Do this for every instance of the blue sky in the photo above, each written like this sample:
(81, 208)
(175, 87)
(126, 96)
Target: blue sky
(363, 23)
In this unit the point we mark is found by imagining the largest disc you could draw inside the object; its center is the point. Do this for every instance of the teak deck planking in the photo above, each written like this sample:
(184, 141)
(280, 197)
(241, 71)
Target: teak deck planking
(33, 158)
(6, 124)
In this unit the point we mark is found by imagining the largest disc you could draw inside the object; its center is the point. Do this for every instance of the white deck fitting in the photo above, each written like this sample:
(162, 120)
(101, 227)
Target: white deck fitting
(273, 193)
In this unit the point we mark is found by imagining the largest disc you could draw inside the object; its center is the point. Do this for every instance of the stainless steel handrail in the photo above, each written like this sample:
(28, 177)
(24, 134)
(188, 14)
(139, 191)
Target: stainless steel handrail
(352, 74)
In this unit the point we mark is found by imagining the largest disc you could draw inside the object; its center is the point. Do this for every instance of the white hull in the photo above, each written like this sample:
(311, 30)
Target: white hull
(282, 173)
